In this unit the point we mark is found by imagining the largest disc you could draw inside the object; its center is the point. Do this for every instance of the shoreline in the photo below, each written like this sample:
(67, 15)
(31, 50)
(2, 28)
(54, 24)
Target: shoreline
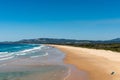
(37, 68)
(75, 74)
(99, 64)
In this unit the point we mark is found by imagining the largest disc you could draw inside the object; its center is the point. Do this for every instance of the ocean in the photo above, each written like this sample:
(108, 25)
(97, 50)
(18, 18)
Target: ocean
(31, 62)
(10, 51)
(34, 62)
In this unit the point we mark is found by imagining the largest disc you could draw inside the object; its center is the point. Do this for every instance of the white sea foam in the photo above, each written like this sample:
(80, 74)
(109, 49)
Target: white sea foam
(46, 54)
(6, 58)
(2, 53)
(68, 74)
(35, 48)
(24, 52)
(7, 55)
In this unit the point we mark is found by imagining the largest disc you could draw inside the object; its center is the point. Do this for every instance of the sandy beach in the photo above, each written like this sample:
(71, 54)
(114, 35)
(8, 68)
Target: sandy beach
(99, 64)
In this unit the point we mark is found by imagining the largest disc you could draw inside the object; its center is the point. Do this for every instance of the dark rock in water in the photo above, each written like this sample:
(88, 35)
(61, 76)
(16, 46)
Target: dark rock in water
(112, 73)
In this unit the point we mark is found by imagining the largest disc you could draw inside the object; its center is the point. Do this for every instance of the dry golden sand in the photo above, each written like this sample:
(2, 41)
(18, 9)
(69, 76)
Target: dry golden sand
(99, 64)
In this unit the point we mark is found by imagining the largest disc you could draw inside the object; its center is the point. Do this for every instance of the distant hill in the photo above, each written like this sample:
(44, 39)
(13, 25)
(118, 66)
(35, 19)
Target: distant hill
(64, 41)
(113, 44)
(116, 40)
(52, 41)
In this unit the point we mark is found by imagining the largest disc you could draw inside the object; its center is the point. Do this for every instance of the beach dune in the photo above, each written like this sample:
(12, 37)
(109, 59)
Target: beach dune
(99, 64)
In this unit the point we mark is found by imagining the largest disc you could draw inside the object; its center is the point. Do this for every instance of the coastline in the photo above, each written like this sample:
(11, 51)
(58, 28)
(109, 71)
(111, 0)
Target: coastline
(99, 64)
(49, 67)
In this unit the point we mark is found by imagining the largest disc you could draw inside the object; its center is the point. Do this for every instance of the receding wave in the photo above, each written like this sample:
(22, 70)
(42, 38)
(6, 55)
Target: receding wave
(7, 55)
(24, 52)
(2, 53)
(39, 55)
(11, 55)
(6, 58)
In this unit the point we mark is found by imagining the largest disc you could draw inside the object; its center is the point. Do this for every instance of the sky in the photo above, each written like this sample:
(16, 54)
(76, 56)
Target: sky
(70, 19)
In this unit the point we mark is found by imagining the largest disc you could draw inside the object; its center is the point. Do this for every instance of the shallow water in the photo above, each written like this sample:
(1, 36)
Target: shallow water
(49, 67)
(37, 73)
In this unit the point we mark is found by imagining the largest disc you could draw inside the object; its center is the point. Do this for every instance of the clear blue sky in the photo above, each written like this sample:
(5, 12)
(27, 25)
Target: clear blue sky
(76, 19)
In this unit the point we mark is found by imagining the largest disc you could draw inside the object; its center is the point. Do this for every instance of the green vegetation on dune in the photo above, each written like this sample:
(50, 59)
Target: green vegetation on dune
(110, 46)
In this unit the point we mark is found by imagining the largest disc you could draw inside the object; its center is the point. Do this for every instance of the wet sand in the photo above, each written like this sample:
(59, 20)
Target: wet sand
(99, 64)
(76, 74)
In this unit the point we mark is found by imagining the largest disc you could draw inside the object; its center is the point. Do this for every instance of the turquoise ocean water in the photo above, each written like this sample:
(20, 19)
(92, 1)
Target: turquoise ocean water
(10, 51)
